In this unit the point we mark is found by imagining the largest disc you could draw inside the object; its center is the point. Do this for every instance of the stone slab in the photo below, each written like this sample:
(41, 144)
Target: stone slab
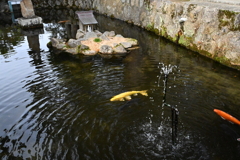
(33, 22)
(235, 2)
(224, 5)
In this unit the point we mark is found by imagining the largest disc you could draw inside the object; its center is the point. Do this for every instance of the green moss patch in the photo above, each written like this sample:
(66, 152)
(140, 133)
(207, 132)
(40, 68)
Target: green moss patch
(227, 19)
(97, 40)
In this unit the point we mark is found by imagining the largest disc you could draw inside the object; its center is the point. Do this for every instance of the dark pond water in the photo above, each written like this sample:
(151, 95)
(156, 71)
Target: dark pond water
(57, 106)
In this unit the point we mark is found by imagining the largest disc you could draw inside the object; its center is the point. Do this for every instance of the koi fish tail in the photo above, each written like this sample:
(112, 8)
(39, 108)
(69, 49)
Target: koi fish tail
(144, 93)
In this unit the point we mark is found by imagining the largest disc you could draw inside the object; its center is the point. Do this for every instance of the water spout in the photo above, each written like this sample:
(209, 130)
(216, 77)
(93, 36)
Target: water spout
(166, 70)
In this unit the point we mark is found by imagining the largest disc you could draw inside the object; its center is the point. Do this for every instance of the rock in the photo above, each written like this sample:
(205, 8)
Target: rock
(90, 35)
(98, 33)
(89, 52)
(73, 43)
(83, 47)
(86, 50)
(109, 34)
(105, 49)
(119, 49)
(61, 46)
(27, 9)
(55, 42)
(126, 44)
(72, 50)
(119, 35)
(134, 42)
(80, 34)
(82, 39)
(104, 37)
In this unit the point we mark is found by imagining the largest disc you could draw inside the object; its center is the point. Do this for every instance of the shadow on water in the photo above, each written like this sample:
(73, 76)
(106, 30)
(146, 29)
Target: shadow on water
(57, 106)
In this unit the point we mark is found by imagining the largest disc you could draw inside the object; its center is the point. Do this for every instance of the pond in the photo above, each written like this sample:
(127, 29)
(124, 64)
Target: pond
(58, 106)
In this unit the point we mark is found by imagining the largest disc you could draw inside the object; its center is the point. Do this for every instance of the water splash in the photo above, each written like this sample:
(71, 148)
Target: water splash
(165, 70)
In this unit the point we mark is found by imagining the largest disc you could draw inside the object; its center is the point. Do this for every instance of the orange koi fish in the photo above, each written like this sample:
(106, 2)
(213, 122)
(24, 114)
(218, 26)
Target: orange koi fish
(227, 116)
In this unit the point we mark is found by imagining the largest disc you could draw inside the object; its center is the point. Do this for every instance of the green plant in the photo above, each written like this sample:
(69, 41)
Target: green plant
(97, 40)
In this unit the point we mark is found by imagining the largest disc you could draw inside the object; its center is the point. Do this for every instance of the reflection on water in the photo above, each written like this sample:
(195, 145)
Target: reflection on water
(57, 106)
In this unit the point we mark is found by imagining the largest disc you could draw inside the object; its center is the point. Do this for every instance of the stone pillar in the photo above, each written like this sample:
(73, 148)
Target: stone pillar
(27, 9)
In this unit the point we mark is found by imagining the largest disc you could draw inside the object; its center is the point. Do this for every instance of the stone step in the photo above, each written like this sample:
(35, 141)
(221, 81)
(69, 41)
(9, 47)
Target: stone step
(234, 2)
(219, 4)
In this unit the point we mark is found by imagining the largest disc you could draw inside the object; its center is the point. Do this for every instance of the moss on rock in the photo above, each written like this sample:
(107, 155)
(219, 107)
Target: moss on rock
(227, 19)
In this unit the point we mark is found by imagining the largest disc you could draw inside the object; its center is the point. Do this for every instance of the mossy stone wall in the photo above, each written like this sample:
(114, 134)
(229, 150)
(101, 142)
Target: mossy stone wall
(209, 29)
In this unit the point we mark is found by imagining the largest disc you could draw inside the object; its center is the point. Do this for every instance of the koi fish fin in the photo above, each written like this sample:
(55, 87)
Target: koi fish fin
(231, 122)
(222, 118)
(128, 98)
(144, 93)
(121, 99)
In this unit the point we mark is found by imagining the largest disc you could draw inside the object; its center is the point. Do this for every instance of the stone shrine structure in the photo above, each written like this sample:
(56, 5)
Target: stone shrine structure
(29, 19)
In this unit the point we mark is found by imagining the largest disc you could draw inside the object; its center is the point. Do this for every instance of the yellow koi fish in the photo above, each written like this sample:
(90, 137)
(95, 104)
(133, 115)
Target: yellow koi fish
(127, 95)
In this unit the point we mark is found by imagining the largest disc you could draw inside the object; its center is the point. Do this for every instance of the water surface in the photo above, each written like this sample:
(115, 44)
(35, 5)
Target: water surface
(57, 106)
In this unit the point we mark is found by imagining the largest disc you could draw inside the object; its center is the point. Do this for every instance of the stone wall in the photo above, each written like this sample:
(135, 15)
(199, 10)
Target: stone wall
(211, 29)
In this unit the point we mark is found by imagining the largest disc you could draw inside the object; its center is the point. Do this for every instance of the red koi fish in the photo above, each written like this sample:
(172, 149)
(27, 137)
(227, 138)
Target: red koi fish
(227, 116)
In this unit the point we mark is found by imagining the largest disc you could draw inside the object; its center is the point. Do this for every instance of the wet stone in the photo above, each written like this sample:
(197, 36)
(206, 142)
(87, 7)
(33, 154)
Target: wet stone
(61, 46)
(126, 44)
(72, 50)
(119, 49)
(89, 52)
(73, 43)
(105, 49)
